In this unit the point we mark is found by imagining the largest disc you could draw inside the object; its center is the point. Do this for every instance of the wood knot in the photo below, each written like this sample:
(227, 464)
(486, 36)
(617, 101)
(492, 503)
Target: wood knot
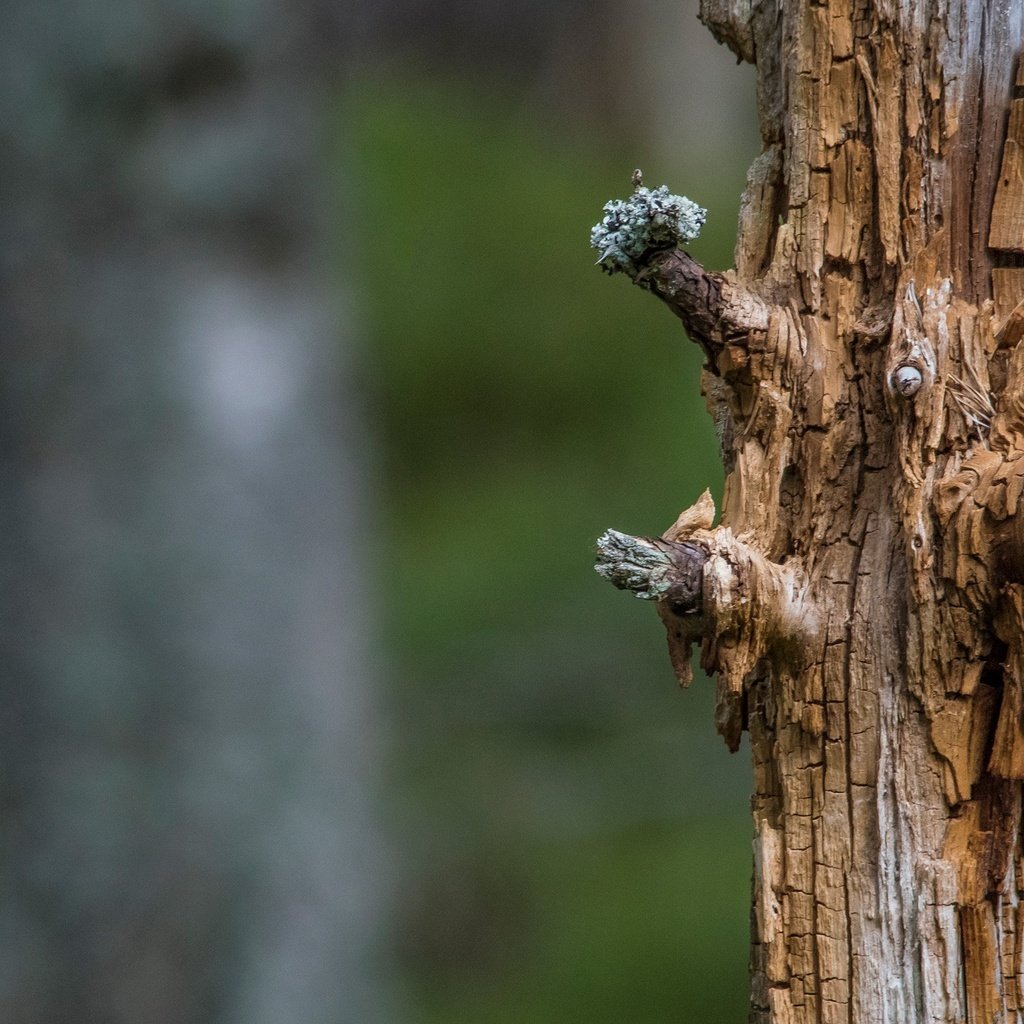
(907, 379)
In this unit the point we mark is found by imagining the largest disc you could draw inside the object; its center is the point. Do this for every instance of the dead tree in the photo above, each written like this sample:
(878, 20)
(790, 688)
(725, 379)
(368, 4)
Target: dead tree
(861, 601)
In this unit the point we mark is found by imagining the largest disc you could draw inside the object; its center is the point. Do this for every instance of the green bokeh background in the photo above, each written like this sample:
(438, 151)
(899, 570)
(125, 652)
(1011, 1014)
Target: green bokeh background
(573, 837)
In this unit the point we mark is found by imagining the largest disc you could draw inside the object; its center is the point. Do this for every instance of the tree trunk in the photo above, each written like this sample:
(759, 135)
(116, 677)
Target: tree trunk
(186, 744)
(862, 600)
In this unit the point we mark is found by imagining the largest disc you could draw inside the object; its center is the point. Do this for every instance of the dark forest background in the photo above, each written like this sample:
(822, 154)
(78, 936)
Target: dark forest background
(313, 404)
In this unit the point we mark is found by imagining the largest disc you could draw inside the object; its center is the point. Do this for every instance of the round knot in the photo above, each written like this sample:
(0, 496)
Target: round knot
(907, 380)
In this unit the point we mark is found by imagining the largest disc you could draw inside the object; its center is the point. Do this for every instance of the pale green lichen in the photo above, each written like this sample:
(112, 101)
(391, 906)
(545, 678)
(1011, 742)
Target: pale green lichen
(649, 220)
(631, 563)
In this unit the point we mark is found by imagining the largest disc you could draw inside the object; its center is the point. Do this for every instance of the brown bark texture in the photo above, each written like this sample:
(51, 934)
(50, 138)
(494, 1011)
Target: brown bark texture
(861, 601)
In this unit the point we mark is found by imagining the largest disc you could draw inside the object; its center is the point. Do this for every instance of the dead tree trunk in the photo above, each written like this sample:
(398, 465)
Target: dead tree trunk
(862, 600)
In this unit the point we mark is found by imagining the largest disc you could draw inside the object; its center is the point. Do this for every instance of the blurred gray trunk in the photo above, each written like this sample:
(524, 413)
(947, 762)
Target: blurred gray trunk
(186, 736)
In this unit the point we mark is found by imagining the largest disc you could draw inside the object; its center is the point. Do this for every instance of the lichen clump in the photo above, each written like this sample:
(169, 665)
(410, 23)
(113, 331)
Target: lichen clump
(649, 220)
(630, 563)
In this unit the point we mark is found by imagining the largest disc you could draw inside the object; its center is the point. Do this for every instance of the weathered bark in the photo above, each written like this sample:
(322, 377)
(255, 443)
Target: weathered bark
(862, 600)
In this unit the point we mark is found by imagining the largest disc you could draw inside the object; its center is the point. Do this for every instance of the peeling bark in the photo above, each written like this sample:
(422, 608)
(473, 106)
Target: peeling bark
(862, 599)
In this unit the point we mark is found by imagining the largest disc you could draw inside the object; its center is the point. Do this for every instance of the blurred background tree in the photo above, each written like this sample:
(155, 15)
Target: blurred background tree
(189, 706)
(292, 291)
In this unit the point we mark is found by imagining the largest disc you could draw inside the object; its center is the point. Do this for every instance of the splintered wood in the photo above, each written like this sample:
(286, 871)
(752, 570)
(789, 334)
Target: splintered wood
(1007, 227)
(1006, 230)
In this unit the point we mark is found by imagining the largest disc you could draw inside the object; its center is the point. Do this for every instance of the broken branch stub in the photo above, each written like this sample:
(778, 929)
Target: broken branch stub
(668, 572)
(712, 587)
(641, 236)
(653, 569)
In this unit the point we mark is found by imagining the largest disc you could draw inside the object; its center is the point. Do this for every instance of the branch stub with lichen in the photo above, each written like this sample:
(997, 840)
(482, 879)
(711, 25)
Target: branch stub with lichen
(650, 220)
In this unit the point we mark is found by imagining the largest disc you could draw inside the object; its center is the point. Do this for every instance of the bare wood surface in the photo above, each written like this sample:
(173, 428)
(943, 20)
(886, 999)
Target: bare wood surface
(1007, 228)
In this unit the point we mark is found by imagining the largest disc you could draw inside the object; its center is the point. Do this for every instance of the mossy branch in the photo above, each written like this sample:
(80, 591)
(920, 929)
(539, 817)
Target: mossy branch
(715, 588)
(653, 569)
(668, 572)
(642, 237)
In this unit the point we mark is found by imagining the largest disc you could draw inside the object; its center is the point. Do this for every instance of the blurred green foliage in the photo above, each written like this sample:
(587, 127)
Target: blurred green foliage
(575, 836)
